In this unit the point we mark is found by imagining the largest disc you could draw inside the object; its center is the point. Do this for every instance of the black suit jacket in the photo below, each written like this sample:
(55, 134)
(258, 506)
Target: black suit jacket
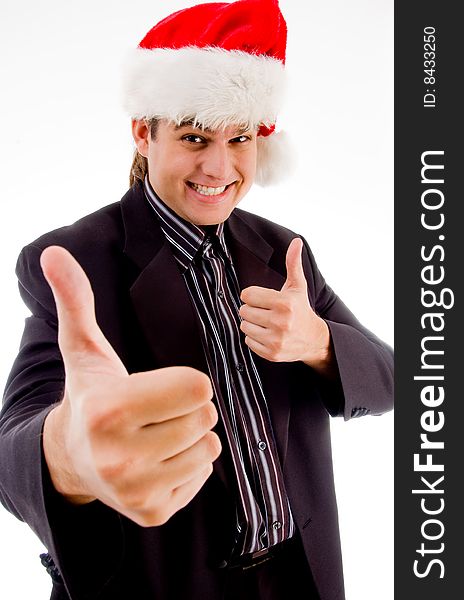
(143, 308)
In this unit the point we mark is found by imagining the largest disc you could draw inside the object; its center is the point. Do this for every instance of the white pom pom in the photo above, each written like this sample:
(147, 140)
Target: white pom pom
(275, 160)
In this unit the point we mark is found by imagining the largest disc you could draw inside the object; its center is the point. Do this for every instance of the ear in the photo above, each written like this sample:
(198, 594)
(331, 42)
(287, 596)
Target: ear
(140, 133)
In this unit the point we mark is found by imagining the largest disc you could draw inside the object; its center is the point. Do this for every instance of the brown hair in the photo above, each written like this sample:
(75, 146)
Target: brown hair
(139, 166)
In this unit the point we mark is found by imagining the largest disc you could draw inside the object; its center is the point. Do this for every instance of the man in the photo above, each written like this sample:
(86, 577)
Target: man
(207, 317)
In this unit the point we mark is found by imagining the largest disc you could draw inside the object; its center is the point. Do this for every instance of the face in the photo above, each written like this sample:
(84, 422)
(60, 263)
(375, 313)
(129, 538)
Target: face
(201, 174)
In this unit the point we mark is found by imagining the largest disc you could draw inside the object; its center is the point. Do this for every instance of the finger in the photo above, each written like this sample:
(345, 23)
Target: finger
(169, 438)
(259, 297)
(295, 274)
(144, 475)
(256, 332)
(182, 495)
(78, 328)
(178, 470)
(257, 347)
(258, 316)
(172, 502)
(160, 395)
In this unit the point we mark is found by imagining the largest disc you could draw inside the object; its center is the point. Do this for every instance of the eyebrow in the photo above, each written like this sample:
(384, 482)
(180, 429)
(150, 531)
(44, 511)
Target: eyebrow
(185, 124)
(190, 124)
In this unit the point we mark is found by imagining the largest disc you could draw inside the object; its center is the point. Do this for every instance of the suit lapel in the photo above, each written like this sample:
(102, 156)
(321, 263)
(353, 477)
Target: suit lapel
(250, 254)
(159, 294)
(163, 305)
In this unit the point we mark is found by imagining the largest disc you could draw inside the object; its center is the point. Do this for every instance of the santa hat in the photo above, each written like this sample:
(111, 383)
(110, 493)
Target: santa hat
(216, 65)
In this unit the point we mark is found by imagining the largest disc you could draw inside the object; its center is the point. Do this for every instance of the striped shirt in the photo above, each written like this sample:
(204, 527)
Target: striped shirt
(263, 511)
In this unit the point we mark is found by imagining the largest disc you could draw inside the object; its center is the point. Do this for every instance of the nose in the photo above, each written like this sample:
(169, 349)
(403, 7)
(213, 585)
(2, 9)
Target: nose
(217, 162)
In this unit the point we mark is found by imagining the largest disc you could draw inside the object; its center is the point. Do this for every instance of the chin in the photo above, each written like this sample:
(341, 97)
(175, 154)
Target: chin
(213, 216)
(210, 220)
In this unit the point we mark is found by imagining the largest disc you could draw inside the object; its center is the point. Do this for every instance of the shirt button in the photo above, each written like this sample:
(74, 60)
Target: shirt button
(262, 445)
(239, 367)
(277, 525)
(221, 294)
(207, 240)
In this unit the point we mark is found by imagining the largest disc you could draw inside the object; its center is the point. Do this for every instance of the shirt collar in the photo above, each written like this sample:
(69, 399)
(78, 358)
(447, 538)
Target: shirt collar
(185, 238)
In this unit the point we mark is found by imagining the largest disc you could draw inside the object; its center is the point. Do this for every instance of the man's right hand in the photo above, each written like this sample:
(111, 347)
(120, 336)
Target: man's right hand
(139, 443)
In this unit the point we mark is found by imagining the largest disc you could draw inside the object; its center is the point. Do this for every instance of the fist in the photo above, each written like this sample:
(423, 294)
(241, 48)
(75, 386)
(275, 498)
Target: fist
(281, 326)
(140, 443)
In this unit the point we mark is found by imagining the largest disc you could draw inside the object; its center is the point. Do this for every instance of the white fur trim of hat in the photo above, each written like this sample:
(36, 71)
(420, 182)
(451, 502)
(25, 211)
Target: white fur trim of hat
(211, 86)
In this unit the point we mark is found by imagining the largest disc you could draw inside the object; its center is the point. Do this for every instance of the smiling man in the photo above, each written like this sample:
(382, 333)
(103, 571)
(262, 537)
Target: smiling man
(165, 428)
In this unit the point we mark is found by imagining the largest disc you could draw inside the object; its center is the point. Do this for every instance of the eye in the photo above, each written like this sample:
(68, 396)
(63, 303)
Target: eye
(241, 139)
(194, 139)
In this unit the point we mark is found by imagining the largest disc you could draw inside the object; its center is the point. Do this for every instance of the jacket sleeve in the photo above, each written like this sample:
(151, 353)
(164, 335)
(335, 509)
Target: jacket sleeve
(34, 386)
(365, 363)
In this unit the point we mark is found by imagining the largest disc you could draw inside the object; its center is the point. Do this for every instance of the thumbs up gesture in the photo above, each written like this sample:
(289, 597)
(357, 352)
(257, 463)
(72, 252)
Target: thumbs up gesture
(139, 443)
(281, 326)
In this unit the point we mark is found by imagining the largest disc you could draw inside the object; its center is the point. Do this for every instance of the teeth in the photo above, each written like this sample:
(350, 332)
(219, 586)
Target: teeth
(208, 191)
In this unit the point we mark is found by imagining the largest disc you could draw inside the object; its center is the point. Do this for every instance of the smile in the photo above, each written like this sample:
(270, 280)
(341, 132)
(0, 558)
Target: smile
(208, 191)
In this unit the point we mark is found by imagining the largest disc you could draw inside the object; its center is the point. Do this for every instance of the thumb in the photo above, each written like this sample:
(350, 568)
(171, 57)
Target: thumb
(295, 275)
(75, 305)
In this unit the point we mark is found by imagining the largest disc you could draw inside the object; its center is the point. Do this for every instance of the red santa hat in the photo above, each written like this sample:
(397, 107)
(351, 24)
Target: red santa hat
(215, 64)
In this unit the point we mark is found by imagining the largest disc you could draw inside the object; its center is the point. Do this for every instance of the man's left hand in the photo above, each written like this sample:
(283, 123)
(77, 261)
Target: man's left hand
(281, 326)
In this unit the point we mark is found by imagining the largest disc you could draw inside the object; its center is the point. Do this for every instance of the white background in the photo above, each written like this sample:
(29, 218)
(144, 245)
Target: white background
(65, 150)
